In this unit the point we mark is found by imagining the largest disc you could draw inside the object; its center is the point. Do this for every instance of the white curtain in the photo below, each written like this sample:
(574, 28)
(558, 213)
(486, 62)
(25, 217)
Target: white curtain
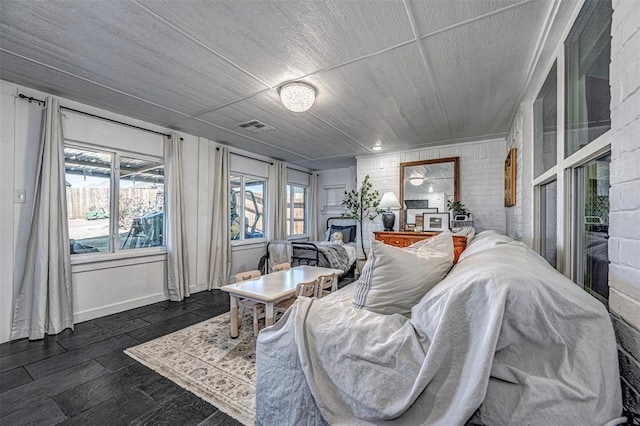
(278, 200)
(177, 266)
(44, 299)
(313, 207)
(220, 249)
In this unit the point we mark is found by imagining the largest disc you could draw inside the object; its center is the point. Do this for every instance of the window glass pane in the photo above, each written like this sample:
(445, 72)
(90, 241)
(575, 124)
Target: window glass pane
(254, 198)
(299, 210)
(592, 223)
(140, 203)
(88, 183)
(587, 57)
(549, 225)
(545, 124)
(235, 186)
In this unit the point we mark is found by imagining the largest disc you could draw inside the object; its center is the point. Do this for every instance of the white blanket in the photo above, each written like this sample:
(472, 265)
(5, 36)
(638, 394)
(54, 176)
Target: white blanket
(503, 339)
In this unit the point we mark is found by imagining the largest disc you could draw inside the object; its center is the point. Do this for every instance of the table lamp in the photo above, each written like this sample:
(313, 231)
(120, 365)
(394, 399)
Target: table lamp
(389, 201)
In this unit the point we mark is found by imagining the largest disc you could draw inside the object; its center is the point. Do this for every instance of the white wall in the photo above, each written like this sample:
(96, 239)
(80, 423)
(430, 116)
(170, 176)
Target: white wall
(480, 186)
(624, 229)
(518, 216)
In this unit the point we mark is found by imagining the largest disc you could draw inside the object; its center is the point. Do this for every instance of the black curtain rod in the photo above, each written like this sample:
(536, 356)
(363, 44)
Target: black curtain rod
(32, 99)
(298, 170)
(246, 156)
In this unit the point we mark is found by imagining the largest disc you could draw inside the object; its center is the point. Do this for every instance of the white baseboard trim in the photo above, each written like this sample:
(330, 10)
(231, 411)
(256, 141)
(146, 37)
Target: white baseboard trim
(198, 288)
(102, 311)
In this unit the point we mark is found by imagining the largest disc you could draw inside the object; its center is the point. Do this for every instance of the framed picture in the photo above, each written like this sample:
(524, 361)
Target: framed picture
(510, 179)
(435, 221)
(414, 214)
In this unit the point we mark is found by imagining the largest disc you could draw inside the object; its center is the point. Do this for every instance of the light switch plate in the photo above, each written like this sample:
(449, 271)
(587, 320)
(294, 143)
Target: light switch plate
(20, 196)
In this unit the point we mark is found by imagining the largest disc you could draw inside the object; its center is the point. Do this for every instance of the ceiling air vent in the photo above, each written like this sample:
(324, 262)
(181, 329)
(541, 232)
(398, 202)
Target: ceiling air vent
(256, 126)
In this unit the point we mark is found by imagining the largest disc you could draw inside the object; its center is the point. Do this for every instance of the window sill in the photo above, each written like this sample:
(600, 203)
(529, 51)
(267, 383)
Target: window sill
(82, 259)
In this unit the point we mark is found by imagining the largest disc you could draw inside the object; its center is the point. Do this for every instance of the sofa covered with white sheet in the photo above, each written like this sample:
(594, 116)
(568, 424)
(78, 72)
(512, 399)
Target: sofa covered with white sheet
(502, 339)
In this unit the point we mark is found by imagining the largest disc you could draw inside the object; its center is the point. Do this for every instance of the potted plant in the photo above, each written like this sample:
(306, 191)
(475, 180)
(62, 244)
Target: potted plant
(456, 207)
(362, 204)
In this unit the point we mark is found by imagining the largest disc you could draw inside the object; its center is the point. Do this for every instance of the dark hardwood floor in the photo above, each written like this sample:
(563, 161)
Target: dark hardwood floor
(84, 378)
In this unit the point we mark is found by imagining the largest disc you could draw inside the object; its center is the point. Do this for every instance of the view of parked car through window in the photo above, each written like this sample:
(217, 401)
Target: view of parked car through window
(93, 209)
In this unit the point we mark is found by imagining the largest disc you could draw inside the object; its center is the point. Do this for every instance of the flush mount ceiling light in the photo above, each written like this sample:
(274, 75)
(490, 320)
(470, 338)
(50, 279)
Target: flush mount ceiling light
(416, 180)
(297, 97)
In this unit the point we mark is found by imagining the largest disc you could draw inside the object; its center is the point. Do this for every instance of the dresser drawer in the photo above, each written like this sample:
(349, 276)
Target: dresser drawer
(412, 240)
(382, 238)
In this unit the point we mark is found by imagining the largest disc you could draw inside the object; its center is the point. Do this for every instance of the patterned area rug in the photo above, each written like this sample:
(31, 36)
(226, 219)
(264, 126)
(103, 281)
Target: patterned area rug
(204, 360)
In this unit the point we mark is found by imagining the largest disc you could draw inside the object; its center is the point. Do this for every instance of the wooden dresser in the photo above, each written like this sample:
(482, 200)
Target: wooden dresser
(405, 239)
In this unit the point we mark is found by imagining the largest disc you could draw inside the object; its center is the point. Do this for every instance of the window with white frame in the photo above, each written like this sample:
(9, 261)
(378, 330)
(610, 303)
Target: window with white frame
(545, 113)
(591, 216)
(572, 184)
(586, 61)
(333, 195)
(549, 222)
(248, 207)
(115, 200)
(296, 210)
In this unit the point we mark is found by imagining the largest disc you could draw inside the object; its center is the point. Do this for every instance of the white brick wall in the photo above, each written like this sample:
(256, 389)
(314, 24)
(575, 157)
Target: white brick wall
(481, 179)
(514, 213)
(624, 242)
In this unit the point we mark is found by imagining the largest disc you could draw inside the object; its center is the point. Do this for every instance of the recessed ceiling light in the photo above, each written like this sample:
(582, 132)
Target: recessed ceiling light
(416, 180)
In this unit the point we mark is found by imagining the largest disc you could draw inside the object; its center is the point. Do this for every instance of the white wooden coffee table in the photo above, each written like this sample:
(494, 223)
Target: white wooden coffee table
(271, 289)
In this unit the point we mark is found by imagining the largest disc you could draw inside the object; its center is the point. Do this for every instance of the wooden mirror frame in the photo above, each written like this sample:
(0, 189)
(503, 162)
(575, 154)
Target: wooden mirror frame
(456, 175)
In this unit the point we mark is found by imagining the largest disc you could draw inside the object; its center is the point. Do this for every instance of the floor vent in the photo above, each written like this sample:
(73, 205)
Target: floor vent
(256, 126)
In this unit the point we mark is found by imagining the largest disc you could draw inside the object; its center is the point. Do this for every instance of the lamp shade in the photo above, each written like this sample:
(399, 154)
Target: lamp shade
(389, 201)
(297, 97)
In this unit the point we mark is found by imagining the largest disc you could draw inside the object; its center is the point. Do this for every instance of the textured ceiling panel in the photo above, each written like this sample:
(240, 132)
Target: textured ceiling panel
(386, 98)
(39, 77)
(197, 127)
(120, 45)
(297, 132)
(480, 68)
(217, 60)
(284, 40)
(434, 15)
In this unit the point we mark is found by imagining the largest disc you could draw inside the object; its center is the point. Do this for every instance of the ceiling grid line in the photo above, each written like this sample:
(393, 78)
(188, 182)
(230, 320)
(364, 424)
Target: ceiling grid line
(251, 138)
(339, 131)
(208, 111)
(201, 44)
(542, 39)
(104, 86)
(187, 116)
(312, 74)
(427, 66)
(475, 19)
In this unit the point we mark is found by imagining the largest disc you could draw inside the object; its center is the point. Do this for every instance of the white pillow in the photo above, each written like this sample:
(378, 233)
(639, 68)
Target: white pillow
(393, 280)
(437, 247)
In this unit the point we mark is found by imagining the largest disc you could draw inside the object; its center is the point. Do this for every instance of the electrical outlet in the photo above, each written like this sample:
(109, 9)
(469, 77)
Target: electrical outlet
(20, 196)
